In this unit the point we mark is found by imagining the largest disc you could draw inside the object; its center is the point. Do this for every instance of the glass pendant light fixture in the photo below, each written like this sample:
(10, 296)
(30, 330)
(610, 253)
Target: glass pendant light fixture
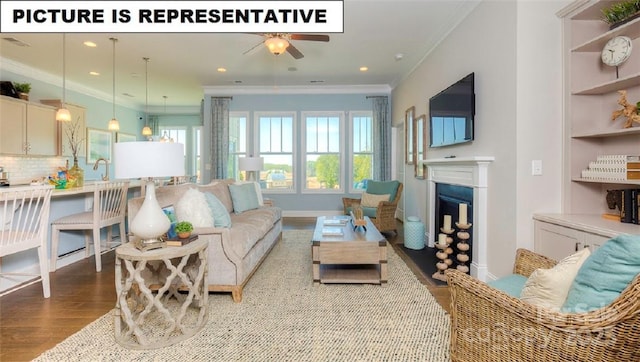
(63, 114)
(114, 125)
(146, 130)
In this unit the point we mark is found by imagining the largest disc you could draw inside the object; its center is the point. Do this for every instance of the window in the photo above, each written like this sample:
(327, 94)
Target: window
(322, 158)
(197, 152)
(362, 149)
(276, 146)
(237, 143)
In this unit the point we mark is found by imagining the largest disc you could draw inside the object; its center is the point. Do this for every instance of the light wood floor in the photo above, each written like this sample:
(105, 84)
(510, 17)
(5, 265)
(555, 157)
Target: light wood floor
(30, 324)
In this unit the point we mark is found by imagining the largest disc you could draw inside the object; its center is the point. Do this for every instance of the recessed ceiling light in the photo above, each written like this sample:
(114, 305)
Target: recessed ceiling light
(90, 44)
(94, 73)
(364, 69)
(222, 70)
(399, 56)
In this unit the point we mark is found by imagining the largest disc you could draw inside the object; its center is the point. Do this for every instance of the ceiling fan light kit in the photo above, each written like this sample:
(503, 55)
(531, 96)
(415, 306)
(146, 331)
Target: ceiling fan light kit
(277, 45)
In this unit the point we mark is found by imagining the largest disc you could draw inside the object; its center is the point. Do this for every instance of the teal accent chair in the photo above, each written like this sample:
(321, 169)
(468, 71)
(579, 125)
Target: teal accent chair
(384, 215)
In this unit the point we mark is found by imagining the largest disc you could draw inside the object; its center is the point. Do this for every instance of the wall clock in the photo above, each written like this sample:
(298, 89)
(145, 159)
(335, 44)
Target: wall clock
(616, 51)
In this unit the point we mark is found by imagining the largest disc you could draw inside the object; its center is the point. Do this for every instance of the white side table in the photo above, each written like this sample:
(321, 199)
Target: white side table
(146, 319)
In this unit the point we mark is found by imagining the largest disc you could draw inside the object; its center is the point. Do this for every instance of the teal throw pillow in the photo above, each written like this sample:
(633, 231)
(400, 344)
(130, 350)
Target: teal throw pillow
(383, 188)
(510, 284)
(244, 197)
(221, 217)
(604, 275)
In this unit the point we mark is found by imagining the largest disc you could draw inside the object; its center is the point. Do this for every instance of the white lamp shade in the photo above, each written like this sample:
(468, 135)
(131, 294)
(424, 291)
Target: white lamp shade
(148, 159)
(63, 115)
(114, 125)
(250, 163)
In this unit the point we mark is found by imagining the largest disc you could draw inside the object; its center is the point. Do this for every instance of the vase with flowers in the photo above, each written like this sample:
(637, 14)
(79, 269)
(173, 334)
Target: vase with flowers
(74, 135)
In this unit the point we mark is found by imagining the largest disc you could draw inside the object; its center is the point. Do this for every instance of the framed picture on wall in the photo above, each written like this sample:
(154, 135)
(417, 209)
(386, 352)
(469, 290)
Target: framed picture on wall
(420, 136)
(125, 137)
(409, 145)
(98, 145)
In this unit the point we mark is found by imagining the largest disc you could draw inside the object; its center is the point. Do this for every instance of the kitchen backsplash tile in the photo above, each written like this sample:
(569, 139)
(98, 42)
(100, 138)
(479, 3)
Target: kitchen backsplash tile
(24, 169)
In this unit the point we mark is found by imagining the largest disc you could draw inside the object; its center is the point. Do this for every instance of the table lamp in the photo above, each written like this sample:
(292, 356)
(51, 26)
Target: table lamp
(251, 165)
(147, 160)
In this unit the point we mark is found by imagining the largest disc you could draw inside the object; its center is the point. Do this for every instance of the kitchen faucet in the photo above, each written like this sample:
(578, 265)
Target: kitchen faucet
(106, 164)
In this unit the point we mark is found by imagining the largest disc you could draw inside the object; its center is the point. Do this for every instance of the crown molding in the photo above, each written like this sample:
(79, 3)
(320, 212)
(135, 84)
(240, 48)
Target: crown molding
(24, 70)
(384, 89)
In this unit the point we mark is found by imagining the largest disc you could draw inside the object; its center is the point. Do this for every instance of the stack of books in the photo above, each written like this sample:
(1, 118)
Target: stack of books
(613, 168)
(332, 231)
(340, 220)
(630, 206)
(181, 242)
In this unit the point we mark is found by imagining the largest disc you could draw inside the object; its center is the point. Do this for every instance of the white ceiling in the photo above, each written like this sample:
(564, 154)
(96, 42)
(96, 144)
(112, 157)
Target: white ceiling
(181, 65)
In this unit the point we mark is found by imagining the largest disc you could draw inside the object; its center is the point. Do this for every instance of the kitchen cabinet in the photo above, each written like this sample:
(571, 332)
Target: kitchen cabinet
(78, 114)
(27, 128)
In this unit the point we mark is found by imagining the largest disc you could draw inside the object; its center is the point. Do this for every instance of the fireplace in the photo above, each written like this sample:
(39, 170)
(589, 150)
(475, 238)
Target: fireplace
(471, 173)
(448, 199)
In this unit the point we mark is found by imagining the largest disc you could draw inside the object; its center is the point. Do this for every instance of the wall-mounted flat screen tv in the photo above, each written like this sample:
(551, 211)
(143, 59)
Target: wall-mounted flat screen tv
(451, 114)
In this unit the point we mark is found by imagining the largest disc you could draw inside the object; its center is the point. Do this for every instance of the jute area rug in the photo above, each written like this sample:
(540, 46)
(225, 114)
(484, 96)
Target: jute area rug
(284, 317)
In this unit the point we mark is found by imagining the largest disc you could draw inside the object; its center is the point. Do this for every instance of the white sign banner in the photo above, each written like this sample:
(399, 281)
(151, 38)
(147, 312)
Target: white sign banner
(172, 16)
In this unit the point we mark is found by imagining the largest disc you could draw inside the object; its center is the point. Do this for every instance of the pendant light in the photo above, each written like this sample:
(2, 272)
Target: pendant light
(114, 125)
(146, 130)
(63, 114)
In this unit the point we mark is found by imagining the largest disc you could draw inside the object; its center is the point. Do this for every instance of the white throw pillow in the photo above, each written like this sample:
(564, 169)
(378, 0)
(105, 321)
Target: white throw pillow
(372, 200)
(193, 207)
(548, 288)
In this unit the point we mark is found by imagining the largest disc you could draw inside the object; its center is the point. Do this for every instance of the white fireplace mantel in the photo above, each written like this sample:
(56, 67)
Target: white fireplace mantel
(470, 172)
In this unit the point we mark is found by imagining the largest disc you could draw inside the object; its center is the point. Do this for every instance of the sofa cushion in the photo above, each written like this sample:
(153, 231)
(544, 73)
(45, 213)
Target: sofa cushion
(383, 188)
(511, 284)
(244, 197)
(220, 189)
(251, 226)
(221, 217)
(372, 200)
(193, 207)
(605, 274)
(549, 287)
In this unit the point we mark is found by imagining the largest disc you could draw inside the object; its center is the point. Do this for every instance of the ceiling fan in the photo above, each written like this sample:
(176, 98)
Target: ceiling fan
(277, 43)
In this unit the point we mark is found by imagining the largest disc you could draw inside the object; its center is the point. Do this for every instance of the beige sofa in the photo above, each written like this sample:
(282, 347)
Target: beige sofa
(236, 252)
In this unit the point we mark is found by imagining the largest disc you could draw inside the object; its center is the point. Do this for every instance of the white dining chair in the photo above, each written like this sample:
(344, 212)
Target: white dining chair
(24, 225)
(109, 208)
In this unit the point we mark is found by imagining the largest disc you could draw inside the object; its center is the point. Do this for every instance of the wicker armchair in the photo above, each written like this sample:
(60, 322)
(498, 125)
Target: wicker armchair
(489, 325)
(385, 217)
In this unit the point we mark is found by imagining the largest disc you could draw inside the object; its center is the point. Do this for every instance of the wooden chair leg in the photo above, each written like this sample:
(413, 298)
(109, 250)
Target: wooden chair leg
(123, 234)
(44, 271)
(55, 238)
(87, 243)
(96, 249)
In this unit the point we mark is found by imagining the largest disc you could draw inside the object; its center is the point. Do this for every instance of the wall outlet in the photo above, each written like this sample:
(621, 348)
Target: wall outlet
(536, 167)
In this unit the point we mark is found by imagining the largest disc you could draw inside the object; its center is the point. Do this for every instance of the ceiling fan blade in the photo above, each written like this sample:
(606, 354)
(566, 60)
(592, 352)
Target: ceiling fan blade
(253, 47)
(312, 37)
(294, 51)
